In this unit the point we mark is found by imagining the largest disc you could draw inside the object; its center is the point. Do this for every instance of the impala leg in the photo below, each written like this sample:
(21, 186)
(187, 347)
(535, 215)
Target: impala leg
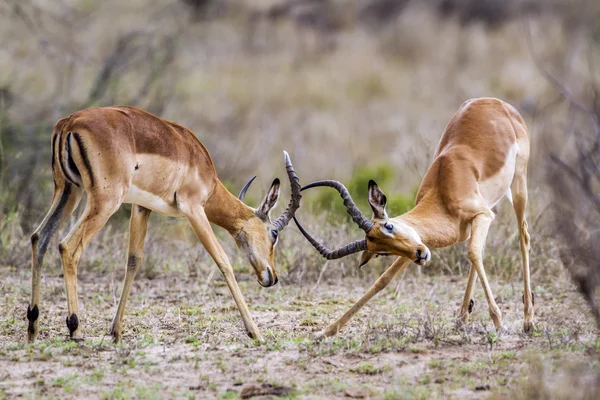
(519, 188)
(138, 226)
(479, 230)
(467, 306)
(203, 230)
(97, 212)
(64, 202)
(397, 266)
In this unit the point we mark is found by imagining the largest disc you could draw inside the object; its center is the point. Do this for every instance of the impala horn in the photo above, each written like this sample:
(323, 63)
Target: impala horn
(360, 220)
(245, 189)
(294, 203)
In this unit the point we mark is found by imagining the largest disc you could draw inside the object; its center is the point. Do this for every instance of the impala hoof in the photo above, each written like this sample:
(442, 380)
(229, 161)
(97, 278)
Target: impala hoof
(256, 336)
(318, 338)
(528, 327)
(462, 320)
(32, 330)
(33, 313)
(72, 324)
(31, 335)
(116, 334)
(502, 331)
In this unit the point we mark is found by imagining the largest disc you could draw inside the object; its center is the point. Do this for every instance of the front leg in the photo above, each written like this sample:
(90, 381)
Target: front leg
(467, 304)
(203, 230)
(398, 265)
(479, 230)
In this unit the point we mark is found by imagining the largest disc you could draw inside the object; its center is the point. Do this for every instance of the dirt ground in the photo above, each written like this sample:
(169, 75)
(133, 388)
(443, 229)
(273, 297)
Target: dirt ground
(183, 338)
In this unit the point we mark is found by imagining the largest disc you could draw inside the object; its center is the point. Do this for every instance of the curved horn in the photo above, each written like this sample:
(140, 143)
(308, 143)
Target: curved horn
(363, 222)
(245, 189)
(350, 248)
(294, 203)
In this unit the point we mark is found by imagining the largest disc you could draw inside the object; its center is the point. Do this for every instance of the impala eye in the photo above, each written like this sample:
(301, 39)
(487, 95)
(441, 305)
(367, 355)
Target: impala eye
(388, 226)
(274, 233)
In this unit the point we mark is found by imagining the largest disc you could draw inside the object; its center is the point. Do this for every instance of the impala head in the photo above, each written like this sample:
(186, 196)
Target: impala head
(384, 236)
(258, 235)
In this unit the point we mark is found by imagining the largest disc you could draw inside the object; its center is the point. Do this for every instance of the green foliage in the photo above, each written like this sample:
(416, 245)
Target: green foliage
(383, 174)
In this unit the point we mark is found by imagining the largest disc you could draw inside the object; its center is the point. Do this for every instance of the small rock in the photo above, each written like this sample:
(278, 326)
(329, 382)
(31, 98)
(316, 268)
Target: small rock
(357, 392)
(482, 387)
(252, 390)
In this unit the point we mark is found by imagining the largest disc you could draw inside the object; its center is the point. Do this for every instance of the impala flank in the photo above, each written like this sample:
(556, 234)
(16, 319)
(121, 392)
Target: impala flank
(481, 158)
(125, 155)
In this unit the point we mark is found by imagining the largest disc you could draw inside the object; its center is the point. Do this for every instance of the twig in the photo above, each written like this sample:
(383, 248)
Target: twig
(567, 95)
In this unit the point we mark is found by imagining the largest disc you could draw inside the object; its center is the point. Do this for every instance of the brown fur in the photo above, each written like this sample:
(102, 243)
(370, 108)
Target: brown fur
(124, 154)
(470, 170)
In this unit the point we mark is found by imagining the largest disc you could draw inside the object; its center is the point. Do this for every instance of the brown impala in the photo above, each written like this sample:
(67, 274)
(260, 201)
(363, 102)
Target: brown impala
(481, 158)
(125, 155)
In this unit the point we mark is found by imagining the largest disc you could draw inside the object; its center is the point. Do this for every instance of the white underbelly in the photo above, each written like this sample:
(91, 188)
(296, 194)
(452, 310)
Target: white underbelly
(494, 188)
(149, 200)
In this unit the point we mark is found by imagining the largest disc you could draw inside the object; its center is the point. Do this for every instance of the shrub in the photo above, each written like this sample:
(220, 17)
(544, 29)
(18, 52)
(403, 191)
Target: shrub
(383, 174)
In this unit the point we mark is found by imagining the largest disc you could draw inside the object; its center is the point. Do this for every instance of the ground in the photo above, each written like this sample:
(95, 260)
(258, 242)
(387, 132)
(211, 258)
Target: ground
(183, 337)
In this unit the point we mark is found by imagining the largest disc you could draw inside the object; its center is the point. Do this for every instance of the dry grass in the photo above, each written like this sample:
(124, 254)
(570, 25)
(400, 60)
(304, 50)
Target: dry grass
(183, 338)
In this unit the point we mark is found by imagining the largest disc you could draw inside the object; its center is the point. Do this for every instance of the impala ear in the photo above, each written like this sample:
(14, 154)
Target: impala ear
(365, 257)
(377, 200)
(269, 202)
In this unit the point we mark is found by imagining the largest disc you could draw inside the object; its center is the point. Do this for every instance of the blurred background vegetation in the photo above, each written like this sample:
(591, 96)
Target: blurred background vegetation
(353, 89)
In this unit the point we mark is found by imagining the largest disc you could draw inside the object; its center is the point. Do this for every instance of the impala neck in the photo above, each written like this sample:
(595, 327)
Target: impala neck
(226, 210)
(433, 224)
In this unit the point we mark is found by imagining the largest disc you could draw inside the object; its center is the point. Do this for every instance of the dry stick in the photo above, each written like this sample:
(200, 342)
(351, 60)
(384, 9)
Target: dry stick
(323, 269)
(400, 279)
(558, 85)
(585, 161)
(585, 186)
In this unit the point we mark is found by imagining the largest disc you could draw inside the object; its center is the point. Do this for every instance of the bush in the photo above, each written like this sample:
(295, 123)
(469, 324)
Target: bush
(383, 174)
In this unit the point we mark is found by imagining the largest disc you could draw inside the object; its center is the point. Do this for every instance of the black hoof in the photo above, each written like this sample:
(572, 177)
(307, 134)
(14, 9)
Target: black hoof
(471, 303)
(72, 323)
(33, 313)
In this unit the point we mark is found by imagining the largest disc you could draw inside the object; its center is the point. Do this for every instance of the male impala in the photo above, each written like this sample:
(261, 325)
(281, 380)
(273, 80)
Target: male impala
(125, 155)
(481, 157)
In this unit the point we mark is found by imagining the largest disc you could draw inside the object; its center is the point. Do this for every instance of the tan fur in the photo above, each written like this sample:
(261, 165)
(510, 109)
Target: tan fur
(124, 154)
(482, 155)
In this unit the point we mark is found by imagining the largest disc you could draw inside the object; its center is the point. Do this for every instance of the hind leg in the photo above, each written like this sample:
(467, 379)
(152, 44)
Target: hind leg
(138, 226)
(97, 212)
(519, 189)
(64, 202)
(467, 304)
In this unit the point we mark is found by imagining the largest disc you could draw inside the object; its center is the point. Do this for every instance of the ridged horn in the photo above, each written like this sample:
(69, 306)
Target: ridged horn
(363, 222)
(284, 219)
(245, 189)
(350, 248)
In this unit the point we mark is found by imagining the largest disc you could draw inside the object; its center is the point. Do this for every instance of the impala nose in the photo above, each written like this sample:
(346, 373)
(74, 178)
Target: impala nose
(422, 255)
(268, 278)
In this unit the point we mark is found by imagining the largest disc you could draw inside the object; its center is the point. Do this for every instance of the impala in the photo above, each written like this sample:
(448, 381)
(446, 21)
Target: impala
(481, 158)
(126, 155)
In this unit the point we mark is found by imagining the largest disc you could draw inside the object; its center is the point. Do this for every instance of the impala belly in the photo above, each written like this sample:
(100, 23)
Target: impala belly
(495, 187)
(138, 196)
(154, 184)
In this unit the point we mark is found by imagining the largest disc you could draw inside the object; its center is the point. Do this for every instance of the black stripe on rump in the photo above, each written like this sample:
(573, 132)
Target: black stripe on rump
(70, 162)
(84, 156)
(59, 154)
